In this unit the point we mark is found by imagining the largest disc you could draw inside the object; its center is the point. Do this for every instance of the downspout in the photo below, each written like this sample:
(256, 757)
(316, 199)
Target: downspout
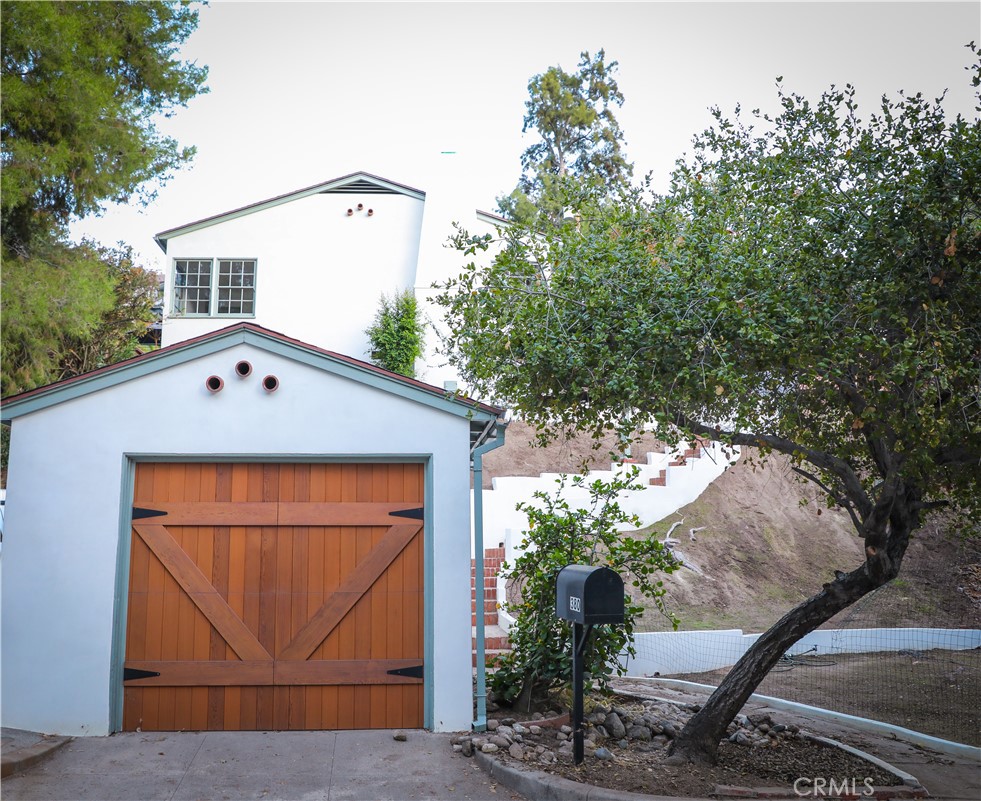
(476, 465)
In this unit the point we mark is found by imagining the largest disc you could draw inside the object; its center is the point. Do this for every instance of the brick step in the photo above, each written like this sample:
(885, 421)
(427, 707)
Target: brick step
(489, 564)
(661, 480)
(493, 643)
(490, 618)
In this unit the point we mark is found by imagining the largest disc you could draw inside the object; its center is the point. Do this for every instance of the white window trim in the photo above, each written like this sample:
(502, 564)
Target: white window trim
(174, 312)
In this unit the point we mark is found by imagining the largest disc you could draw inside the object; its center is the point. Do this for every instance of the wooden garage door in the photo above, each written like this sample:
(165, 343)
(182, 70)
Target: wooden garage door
(280, 597)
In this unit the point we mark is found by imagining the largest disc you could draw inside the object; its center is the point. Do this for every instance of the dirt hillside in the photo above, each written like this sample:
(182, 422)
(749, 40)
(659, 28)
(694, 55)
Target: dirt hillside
(770, 542)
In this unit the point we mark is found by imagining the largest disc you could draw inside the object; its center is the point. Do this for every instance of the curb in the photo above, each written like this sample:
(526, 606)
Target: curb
(908, 780)
(543, 786)
(24, 758)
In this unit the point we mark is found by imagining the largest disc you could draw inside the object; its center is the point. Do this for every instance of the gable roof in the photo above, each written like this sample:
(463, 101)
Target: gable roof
(484, 418)
(355, 183)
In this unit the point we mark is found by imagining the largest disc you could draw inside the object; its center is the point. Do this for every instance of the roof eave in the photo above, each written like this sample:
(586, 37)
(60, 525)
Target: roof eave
(245, 333)
(326, 186)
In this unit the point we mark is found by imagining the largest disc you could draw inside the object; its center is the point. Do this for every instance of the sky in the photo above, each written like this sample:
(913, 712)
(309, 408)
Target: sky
(304, 92)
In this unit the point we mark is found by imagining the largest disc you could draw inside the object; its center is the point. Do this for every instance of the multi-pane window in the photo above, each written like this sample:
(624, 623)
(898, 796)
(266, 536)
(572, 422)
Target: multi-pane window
(236, 286)
(214, 287)
(192, 286)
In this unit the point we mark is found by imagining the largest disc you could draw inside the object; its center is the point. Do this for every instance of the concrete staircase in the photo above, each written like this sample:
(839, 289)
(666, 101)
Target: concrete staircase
(661, 479)
(495, 638)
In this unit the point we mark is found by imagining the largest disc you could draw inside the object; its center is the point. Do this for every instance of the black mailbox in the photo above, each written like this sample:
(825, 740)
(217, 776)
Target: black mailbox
(588, 595)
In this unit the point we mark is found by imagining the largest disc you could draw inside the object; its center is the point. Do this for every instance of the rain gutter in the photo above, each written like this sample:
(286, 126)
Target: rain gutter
(476, 465)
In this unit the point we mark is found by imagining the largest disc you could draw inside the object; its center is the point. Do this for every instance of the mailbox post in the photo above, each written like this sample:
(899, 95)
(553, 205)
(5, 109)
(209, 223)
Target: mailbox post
(585, 596)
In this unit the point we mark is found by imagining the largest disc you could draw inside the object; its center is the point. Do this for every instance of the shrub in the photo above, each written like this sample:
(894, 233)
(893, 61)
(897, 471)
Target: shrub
(397, 334)
(559, 535)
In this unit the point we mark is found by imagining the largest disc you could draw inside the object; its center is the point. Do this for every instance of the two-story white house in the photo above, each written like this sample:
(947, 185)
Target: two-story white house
(313, 263)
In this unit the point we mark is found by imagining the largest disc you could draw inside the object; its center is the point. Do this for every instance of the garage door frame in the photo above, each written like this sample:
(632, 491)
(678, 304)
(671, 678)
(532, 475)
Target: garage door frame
(123, 552)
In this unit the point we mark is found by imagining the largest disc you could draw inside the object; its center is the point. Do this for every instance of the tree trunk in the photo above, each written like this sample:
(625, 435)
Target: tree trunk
(699, 740)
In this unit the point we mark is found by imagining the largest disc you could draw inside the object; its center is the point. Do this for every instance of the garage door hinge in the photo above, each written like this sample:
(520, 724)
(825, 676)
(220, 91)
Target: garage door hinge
(415, 514)
(414, 672)
(129, 674)
(139, 514)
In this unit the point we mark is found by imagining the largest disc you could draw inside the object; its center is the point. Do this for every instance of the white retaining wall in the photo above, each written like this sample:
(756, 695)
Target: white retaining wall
(670, 652)
(683, 484)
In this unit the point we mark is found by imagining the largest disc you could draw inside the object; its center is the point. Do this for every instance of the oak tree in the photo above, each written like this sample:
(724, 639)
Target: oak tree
(811, 285)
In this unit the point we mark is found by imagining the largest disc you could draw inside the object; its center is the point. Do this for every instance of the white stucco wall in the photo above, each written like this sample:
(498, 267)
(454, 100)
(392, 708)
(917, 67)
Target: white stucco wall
(319, 272)
(63, 514)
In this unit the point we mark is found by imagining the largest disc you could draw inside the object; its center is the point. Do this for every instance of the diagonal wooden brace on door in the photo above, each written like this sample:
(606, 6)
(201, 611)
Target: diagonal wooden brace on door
(349, 592)
(202, 592)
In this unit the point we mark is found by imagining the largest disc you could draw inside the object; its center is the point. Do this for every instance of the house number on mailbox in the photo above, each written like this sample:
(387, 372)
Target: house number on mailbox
(575, 604)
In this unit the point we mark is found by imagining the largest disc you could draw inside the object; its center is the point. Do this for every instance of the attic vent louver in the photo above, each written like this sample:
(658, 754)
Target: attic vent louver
(361, 187)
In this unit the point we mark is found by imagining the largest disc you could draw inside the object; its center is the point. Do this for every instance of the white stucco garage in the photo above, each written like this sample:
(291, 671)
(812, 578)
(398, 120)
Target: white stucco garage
(239, 531)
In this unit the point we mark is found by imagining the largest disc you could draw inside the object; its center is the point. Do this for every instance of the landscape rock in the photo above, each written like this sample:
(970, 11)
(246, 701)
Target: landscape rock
(500, 742)
(493, 724)
(639, 733)
(400, 736)
(489, 748)
(614, 725)
(467, 747)
(516, 751)
(603, 753)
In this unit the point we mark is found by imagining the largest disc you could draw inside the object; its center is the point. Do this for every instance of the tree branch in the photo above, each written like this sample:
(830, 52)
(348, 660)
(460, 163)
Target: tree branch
(842, 502)
(956, 455)
(825, 461)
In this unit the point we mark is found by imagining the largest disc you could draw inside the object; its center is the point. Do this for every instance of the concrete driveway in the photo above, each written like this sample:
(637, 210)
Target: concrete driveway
(239, 766)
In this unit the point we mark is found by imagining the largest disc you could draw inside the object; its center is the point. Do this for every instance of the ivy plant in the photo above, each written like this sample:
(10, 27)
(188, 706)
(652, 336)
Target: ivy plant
(397, 334)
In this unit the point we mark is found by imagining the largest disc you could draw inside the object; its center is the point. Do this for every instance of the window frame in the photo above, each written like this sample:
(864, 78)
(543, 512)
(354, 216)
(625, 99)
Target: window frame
(213, 288)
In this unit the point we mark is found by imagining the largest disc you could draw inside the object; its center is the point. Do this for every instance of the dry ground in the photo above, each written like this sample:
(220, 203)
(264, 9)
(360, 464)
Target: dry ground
(770, 542)
(935, 692)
